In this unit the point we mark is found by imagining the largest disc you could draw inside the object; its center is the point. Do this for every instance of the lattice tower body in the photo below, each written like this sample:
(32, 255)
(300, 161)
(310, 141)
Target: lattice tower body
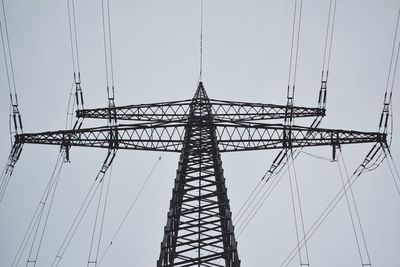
(199, 230)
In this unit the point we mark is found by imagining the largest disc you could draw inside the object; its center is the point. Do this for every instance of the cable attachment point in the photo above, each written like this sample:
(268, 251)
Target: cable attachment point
(13, 158)
(78, 91)
(65, 147)
(322, 90)
(335, 152)
(15, 122)
(385, 115)
(106, 164)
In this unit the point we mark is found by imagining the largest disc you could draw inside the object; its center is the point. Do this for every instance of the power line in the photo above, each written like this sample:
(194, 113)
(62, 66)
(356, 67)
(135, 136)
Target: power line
(131, 207)
(336, 199)
(83, 208)
(36, 222)
(368, 261)
(15, 121)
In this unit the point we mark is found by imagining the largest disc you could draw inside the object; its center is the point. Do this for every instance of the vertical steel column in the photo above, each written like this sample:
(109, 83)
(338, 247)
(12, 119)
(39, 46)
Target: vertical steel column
(199, 230)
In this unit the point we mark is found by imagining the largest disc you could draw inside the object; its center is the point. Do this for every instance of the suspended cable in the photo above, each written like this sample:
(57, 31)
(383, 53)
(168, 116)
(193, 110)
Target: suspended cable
(94, 232)
(390, 73)
(333, 203)
(15, 121)
(37, 226)
(297, 45)
(83, 208)
(100, 216)
(131, 207)
(393, 170)
(74, 226)
(104, 212)
(351, 214)
(329, 32)
(307, 263)
(366, 262)
(294, 51)
(297, 210)
(70, 108)
(316, 156)
(278, 163)
(15, 153)
(239, 214)
(112, 121)
(327, 54)
(108, 58)
(73, 36)
(386, 115)
(294, 211)
(76, 92)
(271, 185)
(39, 234)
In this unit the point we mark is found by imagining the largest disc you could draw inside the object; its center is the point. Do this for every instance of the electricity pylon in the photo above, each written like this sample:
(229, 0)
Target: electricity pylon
(199, 229)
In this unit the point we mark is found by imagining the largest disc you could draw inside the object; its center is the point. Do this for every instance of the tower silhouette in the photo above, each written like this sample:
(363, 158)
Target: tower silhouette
(199, 229)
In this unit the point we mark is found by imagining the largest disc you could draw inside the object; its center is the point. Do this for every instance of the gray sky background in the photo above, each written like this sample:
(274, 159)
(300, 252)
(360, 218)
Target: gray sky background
(156, 58)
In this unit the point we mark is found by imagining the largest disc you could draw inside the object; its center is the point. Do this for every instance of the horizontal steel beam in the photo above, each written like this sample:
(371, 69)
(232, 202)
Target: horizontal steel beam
(221, 110)
(230, 137)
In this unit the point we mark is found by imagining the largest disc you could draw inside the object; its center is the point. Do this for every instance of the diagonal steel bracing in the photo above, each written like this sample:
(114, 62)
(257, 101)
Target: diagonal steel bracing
(199, 227)
(221, 110)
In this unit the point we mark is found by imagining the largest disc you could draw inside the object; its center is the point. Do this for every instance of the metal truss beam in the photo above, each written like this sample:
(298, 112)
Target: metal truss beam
(231, 137)
(221, 110)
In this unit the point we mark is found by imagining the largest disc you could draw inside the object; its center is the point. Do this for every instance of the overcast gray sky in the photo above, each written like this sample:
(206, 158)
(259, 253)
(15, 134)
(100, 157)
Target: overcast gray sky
(156, 58)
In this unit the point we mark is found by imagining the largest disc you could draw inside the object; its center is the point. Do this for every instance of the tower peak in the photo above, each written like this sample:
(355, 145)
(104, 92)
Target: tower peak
(200, 91)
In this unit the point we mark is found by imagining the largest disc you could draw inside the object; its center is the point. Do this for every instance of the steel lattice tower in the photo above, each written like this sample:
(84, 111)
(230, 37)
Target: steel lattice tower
(199, 229)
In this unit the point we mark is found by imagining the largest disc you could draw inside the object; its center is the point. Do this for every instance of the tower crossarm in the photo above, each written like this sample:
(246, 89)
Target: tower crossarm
(221, 110)
(244, 111)
(158, 112)
(145, 136)
(230, 136)
(242, 137)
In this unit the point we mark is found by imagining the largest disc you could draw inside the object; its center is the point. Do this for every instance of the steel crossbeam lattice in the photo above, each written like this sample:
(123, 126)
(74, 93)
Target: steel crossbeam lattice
(199, 229)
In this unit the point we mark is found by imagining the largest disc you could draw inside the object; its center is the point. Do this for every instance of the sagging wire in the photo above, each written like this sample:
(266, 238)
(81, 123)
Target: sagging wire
(15, 121)
(127, 213)
(297, 211)
(37, 226)
(98, 230)
(15, 153)
(393, 169)
(76, 90)
(369, 159)
(384, 126)
(327, 54)
(84, 207)
(278, 163)
(351, 205)
(386, 119)
(259, 198)
(108, 57)
(113, 133)
(294, 51)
